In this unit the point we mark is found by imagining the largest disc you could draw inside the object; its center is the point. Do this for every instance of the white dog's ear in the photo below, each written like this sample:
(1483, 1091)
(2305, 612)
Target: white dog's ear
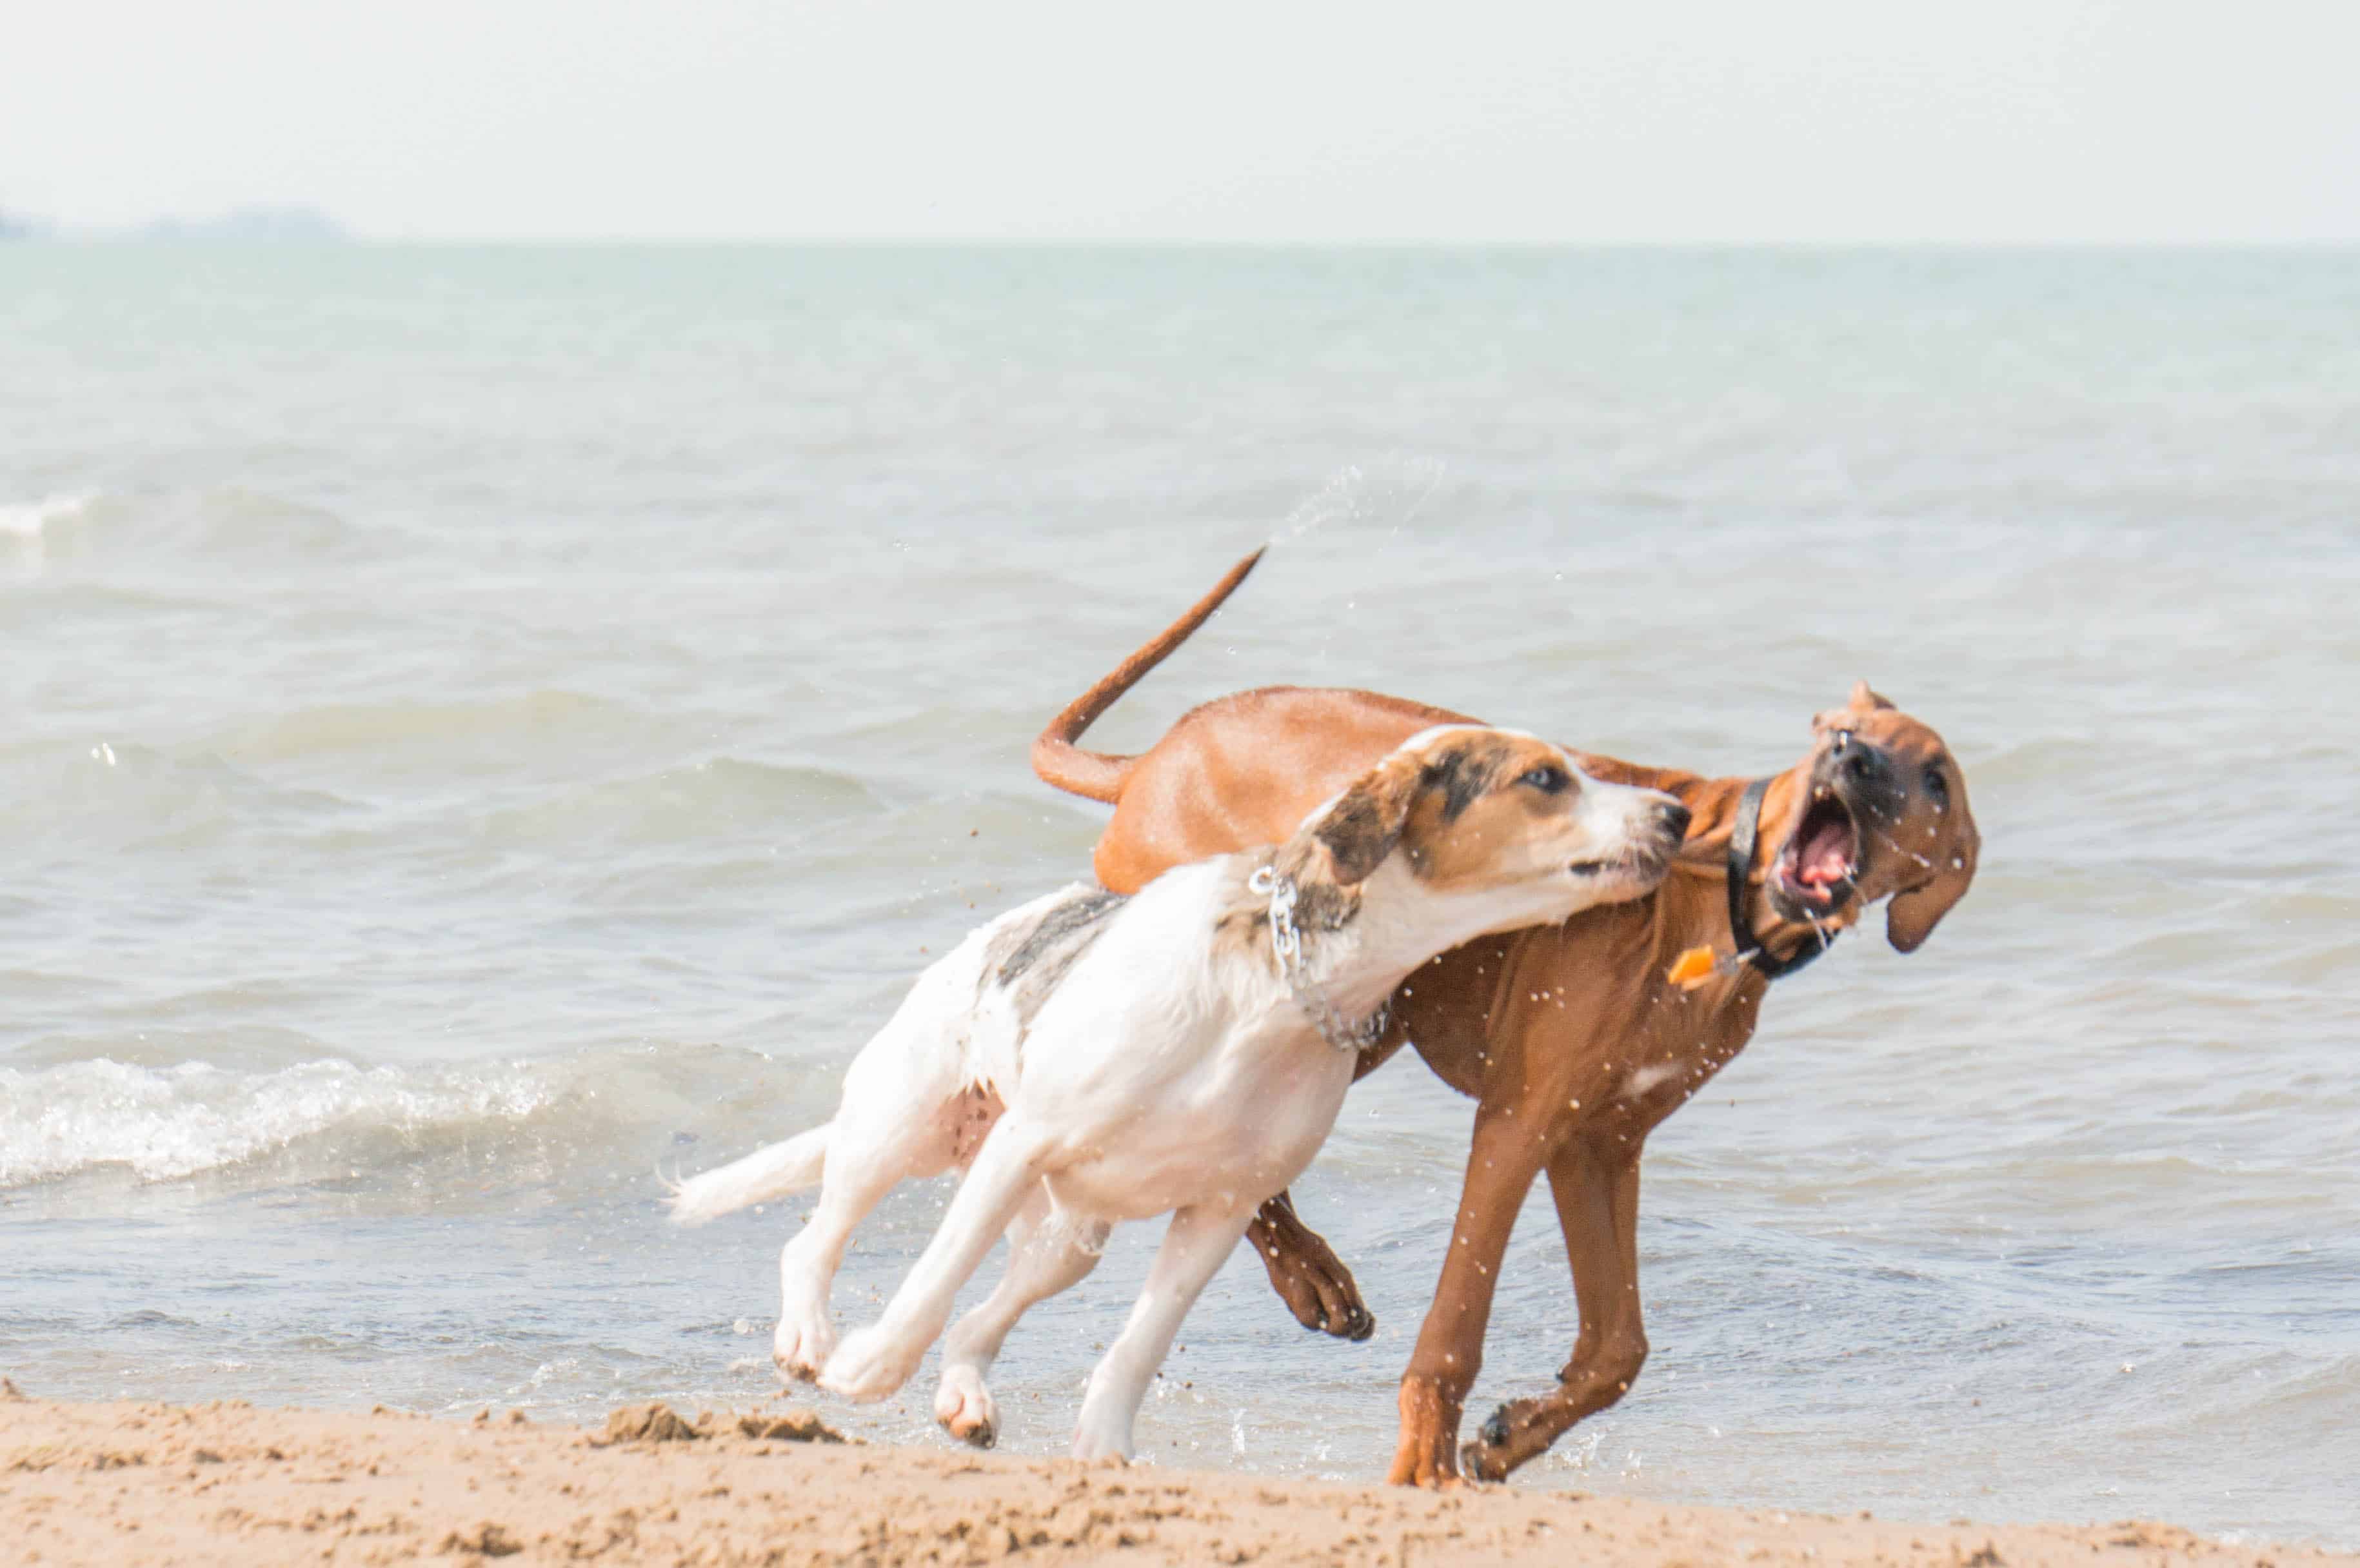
(1362, 826)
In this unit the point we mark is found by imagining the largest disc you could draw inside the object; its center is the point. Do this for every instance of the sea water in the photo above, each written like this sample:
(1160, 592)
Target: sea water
(483, 726)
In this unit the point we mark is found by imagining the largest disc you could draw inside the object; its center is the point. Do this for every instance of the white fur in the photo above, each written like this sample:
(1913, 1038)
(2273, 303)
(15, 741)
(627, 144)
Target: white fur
(765, 1174)
(1644, 1080)
(1166, 1073)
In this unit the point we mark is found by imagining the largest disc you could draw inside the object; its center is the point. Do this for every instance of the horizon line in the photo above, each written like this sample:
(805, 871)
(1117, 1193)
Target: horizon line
(194, 238)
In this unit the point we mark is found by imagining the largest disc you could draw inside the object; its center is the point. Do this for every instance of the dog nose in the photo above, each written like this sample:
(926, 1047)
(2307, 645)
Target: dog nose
(1674, 816)
(1863, 762)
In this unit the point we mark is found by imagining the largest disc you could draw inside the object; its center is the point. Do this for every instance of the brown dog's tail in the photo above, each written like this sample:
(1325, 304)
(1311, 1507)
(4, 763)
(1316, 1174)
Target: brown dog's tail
(1098, 775)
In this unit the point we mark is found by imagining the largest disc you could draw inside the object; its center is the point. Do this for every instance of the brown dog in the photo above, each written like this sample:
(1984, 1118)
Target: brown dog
(1573, 1038)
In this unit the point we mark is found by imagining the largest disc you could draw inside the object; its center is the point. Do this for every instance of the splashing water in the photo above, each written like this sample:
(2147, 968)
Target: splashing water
(1390, 493)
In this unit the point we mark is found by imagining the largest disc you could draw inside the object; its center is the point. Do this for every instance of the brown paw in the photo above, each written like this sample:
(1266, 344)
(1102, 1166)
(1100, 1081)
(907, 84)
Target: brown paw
(1484, 1463)
(1503, 1441)
(1417, 1465)
(1328, 1302)
(1427, 1455)
(1308, 1275)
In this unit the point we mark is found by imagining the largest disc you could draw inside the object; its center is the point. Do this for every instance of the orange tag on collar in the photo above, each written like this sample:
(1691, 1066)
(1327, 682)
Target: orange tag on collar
(1692, 968)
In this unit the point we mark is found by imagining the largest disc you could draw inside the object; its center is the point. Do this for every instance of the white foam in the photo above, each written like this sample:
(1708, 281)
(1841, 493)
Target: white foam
(25, 525)
(26, 520)
(163, 1123)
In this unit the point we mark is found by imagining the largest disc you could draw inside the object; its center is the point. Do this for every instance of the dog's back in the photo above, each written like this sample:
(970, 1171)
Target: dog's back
(960, 1027)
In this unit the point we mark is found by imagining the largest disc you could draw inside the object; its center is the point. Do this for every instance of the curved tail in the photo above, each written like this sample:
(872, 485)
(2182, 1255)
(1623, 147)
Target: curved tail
(1100, 775)
(767, 1173)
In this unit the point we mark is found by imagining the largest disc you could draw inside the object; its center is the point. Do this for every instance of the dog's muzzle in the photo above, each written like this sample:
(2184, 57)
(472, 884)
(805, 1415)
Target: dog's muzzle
(1818, 871)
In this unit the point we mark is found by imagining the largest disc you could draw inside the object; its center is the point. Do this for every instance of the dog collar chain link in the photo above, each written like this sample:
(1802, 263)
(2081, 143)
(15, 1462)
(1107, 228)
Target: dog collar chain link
(1749, 946)
(1286, 945)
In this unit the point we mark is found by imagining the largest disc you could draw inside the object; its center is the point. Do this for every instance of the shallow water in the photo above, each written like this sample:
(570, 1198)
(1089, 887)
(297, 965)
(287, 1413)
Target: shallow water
(484, 725)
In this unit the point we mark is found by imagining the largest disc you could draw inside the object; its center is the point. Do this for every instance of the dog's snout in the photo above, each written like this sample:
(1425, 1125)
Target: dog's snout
(1865, 764)
(1673, 818)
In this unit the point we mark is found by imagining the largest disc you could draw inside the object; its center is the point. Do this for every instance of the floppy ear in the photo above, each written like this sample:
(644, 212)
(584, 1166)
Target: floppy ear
(1910, 916)
(1364, 824)
(1863, 700)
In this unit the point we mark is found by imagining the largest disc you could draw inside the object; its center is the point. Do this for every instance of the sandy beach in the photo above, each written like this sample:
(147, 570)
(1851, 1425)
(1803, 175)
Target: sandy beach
(125, 1483)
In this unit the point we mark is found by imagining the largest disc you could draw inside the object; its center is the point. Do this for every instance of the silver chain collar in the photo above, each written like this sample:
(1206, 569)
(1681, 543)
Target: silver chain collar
(1286, 944)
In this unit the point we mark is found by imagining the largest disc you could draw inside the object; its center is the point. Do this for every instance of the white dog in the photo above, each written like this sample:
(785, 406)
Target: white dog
(1090, 1058)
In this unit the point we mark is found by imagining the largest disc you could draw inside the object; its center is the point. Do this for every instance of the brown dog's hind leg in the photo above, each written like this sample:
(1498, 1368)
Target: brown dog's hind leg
(1597, 1194)
(1307, 1275)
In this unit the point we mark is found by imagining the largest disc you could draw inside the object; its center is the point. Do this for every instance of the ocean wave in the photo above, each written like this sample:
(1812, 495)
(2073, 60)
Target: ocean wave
(536, 720)
(692, 802)
(592, 1113)
(121, 791)
(228, 522)
(165, 1123)
(28, 523)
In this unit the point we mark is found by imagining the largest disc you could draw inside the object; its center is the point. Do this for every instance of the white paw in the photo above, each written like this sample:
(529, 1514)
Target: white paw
(802, 1344)
(964, 1406)
(1098, 1440)
(869, 1366)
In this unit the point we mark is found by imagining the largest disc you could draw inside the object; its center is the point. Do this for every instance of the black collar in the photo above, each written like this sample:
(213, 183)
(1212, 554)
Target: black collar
(1740, 865)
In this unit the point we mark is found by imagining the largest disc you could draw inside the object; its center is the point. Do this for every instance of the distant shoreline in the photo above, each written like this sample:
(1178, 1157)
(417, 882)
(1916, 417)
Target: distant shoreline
(275, 225)
(307, 228)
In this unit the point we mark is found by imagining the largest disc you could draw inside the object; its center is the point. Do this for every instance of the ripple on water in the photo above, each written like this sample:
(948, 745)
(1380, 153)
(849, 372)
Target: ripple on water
(231, 525)
(720, 797)
(442, 734)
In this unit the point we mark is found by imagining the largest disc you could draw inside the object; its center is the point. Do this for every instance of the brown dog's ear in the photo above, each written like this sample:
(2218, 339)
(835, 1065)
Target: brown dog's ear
(1863, 700)
(1911, 915)
(1364, 824)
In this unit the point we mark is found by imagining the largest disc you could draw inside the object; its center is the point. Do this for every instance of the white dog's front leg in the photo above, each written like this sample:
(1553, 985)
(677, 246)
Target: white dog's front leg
(872, 1363)
(1194, 1249)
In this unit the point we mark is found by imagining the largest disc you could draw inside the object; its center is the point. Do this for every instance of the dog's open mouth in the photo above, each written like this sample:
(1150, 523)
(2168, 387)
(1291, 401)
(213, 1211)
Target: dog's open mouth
(1820, 865)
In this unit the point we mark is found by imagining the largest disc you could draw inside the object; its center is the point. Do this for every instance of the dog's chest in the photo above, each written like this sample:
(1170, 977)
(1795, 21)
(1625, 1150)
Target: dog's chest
(1232, 1133)
(1690, 1039)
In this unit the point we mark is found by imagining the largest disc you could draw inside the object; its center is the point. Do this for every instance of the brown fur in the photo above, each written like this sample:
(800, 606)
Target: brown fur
(1569, 1036)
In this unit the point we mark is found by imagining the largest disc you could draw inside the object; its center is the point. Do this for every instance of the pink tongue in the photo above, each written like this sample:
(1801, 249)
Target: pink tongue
(1824, 856)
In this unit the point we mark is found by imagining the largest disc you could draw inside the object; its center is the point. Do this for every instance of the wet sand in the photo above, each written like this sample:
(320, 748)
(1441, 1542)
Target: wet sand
(122, 1484)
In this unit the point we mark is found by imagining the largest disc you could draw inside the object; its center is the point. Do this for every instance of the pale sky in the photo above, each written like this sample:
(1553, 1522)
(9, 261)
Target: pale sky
(2001, 121)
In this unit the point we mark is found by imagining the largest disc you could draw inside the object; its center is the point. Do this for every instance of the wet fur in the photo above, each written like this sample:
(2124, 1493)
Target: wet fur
(1088, 1058)
(1569, 1036)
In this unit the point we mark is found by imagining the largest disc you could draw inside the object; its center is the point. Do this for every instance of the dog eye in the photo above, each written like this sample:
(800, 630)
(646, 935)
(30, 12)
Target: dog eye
(1548, 780)
(1936, 784)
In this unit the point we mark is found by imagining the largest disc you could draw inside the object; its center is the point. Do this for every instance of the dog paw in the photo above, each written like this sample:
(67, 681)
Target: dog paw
(1415, 1465)
(803, 1345)
(1485, 1460)
(1332, 1305)
(1094, 1442)
(1427, 1453)
(1507, 1438)
(869, 1366)
(964, 1406)
(1315, 1284)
